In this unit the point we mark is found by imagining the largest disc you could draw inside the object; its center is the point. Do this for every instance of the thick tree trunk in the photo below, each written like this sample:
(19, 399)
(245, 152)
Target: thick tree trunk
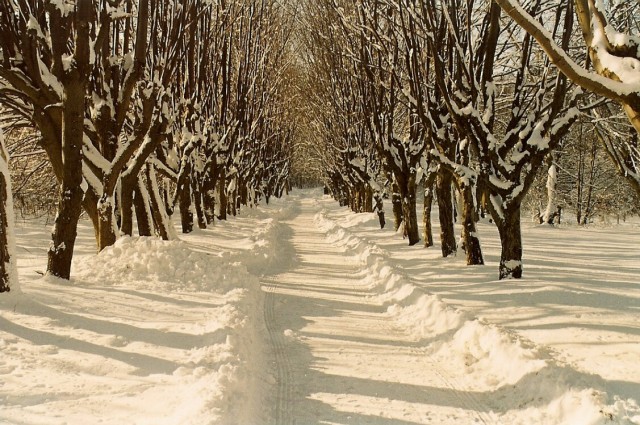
(470, 238)
(368, 199)
(160, 217)
(142, 207)
(445, 209)
(107, 229)
(511, 240)
(209, 192)
(410, 216)
(71, 193)
(244, 194)
(126, 204)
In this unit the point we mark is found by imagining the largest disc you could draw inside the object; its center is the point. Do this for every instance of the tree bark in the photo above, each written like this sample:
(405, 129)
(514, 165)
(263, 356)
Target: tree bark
(71, 192)
(511, 240)
(428, 203)
(410, 216)
(445, 212)
(197, 201)
(159, 214)
(379, 209)
(368, 200)
(142, 208)
(429, 182)
(106, 222)
(7, 260)
(126, 204)
(222, 191)
(209, 191)
(184, 199)
(469, 230)
(396, 202)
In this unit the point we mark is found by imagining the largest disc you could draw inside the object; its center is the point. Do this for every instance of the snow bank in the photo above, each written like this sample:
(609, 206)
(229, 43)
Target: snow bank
(527, 384)
(421, 314)
(220, 380)
(154, 264)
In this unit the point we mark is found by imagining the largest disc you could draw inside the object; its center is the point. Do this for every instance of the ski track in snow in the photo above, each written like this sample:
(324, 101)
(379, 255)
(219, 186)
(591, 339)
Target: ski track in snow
(339, 357)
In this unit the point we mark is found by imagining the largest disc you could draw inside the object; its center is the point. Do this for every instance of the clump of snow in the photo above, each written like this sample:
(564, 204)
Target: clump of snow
(166, 265)
(490, 354)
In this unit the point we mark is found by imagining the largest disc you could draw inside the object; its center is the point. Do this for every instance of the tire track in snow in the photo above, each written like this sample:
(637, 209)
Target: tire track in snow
(283, 414)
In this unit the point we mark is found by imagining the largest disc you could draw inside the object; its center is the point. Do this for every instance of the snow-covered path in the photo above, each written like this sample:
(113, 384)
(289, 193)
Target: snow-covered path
(339, 358)
(303, 312)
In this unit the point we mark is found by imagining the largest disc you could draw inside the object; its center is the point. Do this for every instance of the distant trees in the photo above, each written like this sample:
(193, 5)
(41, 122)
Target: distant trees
(142, 106)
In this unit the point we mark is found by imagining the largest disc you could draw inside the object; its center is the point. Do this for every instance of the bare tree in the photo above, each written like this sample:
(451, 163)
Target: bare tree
(538, 114)
(615, 58)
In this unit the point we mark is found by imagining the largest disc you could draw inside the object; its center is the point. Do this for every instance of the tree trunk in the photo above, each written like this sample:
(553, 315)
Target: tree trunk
(161, 220)
(396, 202)
(197, 200)
(126, 204)
(184, 200)
(71, 193)
(445, 210)
(8, 275)
(368, 204)
(470, 238)
(552, 180)
(143, 213)
(511, 240)
(410, 216)
(222, 191)
(379, 208)
(428, 203)
(209, 192)
(233, 205)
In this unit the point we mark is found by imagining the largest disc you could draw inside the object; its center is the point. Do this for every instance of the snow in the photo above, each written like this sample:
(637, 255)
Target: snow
(304, 312)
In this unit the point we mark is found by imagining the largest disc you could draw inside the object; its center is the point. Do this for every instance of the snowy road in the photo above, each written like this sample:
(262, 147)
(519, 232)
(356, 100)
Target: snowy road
(357, 327)
(338, 357)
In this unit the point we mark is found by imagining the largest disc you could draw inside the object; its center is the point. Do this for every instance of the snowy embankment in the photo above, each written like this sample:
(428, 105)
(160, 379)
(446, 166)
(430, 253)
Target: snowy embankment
(146, 332)
(519, 380)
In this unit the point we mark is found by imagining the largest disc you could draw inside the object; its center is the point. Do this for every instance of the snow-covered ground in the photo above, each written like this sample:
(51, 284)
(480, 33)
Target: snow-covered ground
(303, 312)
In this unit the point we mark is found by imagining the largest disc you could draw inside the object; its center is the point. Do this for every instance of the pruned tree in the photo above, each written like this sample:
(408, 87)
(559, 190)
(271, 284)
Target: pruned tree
(537, 114)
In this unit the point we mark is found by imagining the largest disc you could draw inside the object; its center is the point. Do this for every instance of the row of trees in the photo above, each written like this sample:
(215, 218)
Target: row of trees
(150, 106)
(457, 98)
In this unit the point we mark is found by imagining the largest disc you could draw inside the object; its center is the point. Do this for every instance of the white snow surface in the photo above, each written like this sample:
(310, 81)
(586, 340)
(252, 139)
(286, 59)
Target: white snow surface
(304, 312)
